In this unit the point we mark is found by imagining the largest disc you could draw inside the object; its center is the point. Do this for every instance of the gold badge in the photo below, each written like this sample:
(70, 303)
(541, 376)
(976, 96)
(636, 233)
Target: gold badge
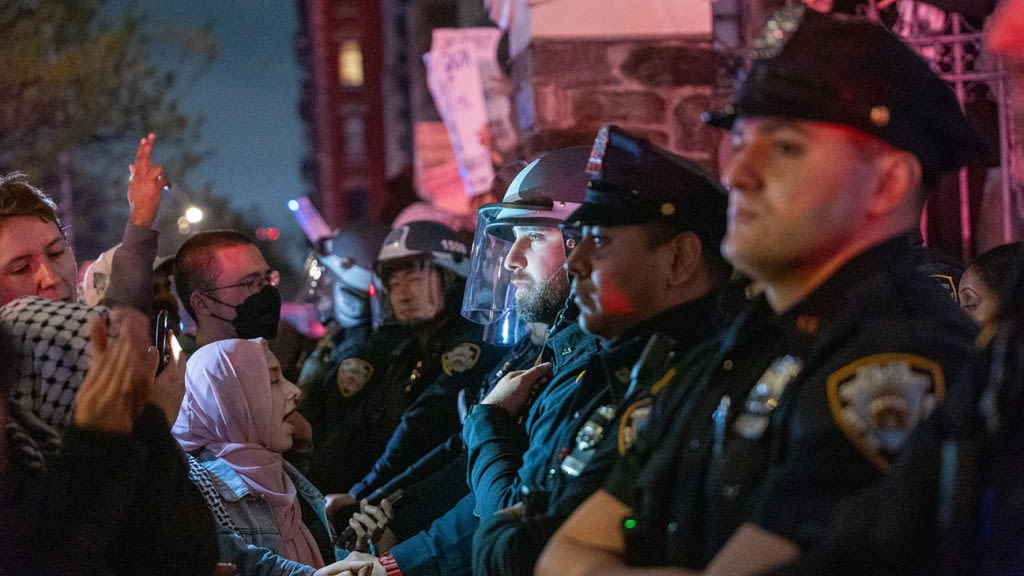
(878, 400)
(633, 419)
(460, 358)
(353, 374)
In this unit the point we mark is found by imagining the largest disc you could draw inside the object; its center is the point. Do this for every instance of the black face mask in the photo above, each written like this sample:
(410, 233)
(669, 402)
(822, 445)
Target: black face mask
(257, 316)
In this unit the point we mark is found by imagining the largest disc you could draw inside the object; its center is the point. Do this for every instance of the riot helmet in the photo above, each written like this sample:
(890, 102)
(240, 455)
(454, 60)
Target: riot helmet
(344, 290)
(421, 266)
(537, 201)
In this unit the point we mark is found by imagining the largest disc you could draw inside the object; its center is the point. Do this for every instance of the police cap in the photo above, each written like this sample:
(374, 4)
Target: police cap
(848, 70)
(632, 181)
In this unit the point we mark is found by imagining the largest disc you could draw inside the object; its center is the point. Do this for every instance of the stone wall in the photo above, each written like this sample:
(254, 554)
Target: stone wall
(565, 90)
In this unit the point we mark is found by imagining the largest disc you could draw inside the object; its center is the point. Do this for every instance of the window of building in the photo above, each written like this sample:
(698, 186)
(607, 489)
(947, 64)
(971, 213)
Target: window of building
(350, 64)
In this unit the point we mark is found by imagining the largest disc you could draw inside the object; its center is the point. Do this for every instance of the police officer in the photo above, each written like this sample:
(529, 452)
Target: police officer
(838, 130)
(647, 264)
(518, 256)
(516, 283)
(421, 265)
(330, 386)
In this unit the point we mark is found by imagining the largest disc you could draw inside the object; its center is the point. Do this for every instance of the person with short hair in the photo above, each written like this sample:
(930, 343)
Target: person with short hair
(227, 287)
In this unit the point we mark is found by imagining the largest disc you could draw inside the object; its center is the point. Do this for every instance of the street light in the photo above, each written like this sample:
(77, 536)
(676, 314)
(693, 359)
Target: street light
(194, 214)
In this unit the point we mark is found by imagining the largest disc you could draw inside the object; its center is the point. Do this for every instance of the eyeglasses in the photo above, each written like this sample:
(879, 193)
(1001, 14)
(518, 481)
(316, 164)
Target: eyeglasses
(253, 283)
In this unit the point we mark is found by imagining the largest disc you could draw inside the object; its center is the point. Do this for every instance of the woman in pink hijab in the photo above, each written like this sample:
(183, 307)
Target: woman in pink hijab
(233, 420)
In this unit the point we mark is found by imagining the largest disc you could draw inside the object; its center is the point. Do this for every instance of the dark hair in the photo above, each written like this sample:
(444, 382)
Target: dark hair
(994, 265)
(718, 269)
(19, 198)
(195, 263)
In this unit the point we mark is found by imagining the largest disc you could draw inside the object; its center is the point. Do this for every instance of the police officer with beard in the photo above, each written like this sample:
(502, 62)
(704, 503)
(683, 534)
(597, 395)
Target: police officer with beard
(519, 256)
(516, 289)
(421, 266)
(839, 130)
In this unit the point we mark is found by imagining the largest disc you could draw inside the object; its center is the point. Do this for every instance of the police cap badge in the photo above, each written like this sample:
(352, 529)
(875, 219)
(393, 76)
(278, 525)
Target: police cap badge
(632, 181)
(849, 70)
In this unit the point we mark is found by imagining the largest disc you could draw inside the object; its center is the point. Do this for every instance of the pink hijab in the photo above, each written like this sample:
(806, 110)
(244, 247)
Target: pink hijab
(227, 409)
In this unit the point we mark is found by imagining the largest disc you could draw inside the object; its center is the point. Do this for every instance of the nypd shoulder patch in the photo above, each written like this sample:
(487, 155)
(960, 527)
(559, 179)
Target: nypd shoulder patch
(878, 400)
(460, 358)
(353, 374)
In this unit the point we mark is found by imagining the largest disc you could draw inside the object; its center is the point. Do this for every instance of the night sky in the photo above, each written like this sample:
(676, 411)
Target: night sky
(249, 98)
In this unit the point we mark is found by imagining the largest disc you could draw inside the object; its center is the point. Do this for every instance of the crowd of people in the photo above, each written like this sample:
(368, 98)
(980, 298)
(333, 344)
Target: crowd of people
(632, 366)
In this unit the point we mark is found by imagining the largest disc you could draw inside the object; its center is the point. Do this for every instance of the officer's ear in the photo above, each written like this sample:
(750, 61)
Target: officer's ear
(687, 260)
(899, 179)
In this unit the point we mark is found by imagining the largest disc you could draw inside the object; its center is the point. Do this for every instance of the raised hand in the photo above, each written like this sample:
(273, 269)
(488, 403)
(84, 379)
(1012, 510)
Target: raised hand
(146, 184)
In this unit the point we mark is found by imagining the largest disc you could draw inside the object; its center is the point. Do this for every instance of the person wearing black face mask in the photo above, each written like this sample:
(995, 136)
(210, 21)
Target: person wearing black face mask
(227, 286)
(256, 316)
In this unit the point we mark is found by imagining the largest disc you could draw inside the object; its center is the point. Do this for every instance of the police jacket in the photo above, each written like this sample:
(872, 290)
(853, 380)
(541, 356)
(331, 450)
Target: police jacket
(340, 387)
(792, 412)
(444, 547)
(416, 437)
(502, 452)
(397, 375)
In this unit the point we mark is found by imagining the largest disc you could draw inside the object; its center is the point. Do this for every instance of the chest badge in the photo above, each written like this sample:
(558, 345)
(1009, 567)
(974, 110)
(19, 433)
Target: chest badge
(460, 358)
(592, 432)
(764, 397)
(878, 400)
(353, 374)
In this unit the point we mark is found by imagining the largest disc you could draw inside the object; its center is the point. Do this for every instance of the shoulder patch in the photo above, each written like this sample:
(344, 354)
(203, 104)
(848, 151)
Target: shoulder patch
(634, 418)
(460, 358)
(353, 374)
(878, 400)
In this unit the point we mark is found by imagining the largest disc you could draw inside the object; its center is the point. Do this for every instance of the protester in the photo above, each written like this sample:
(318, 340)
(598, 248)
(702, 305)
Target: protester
(234, 422)
(110, 493)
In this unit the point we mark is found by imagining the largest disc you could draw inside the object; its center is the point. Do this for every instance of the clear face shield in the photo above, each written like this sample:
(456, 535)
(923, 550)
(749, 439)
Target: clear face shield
(492, 283)
(315, 291)
(409, 291)
(342, 291)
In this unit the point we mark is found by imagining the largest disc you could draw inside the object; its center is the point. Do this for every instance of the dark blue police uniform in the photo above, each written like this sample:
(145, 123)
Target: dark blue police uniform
(794, 412)
(452, 347)
(605, 413)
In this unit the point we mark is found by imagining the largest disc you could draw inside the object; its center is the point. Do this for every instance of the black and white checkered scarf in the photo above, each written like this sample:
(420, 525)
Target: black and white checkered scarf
(53, 340)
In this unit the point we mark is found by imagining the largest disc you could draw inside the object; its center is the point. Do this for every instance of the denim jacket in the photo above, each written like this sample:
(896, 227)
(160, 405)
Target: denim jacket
(247, 513)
